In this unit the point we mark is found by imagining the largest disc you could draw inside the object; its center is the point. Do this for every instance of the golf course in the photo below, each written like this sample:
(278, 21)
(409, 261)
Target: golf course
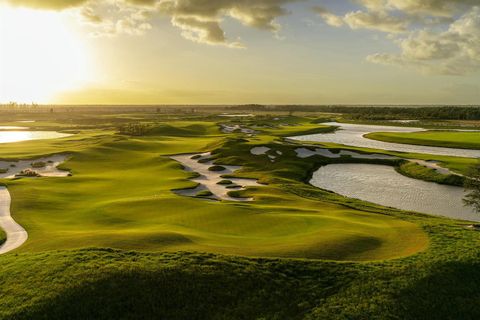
(120, 234)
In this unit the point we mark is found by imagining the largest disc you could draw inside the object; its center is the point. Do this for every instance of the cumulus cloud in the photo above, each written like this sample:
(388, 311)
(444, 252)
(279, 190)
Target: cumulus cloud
(330, 18)
(455, 51)
(434, 36)
(376, 20)
(198, 20)
(201, 20)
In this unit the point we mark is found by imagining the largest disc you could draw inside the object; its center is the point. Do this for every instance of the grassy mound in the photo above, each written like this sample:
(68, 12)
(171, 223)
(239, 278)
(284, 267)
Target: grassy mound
(204, 193)
(3, 236)
(416, 171)
(216, 168)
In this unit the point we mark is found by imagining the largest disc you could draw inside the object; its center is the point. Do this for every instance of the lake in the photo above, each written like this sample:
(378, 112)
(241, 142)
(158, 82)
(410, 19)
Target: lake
(383, 185)
(17, 136)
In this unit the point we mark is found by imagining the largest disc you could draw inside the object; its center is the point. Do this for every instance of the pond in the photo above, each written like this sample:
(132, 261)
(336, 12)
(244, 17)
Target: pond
(17, 136)
(352, 135)
(383, 185)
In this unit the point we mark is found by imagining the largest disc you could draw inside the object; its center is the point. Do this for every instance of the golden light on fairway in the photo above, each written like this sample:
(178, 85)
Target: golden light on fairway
(39, 55)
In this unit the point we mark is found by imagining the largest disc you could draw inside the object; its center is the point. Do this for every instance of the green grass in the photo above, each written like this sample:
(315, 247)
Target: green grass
(204, 193)
(417, 171)
(3, 236)
(114, 242)
(436, 138)
(94, 208)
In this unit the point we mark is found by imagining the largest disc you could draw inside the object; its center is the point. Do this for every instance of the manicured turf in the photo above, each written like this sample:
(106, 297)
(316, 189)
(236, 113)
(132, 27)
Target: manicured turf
(120, 196)
(416, 171)
(113, 241)
(449, 139)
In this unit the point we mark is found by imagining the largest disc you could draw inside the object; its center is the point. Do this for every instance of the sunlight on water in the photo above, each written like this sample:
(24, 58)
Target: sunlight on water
(16, 136)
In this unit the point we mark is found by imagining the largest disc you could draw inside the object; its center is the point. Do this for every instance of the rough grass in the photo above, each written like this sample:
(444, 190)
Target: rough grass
(119, 197)
(449, 139)
(416, 171)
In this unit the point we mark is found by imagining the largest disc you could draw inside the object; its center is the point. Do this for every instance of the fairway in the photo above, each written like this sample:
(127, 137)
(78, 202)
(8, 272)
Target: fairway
(120, 196)
(119, 224)
(436, 138)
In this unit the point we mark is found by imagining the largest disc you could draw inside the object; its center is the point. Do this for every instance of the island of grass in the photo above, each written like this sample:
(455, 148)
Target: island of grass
(39, 164)
(225, 182)
(216, 168)
(435, 138)
(296, 252)
(204, 194)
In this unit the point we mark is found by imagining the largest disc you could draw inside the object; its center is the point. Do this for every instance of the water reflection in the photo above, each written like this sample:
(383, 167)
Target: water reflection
(17, 136)
(383, 185)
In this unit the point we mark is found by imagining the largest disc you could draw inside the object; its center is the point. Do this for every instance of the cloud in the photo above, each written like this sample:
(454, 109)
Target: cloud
(433, 36)
(200, 21)
(455, 51)
(329, 18)
(374, 20)
(47, 4)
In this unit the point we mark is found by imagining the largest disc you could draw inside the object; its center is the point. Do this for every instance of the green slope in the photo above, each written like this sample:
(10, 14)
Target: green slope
(436, 138)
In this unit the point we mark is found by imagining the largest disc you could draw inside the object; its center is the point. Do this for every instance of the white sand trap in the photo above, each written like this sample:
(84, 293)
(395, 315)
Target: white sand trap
(49, 170)
(16, 234)
(208, 180)
(306, 153)
(232, 128)
(259, 150)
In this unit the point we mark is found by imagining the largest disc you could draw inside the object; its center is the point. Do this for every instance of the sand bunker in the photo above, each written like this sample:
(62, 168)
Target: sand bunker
(233, 128)
(44, 167)
(209, 180)
(306, 153)
(259, 150)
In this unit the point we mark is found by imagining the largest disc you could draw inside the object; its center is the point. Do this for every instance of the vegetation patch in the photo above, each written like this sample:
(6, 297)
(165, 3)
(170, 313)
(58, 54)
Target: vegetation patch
(216, 168)
(448, 139)
(225, 182)
(39, 164)
(204, 193)
(417, 171)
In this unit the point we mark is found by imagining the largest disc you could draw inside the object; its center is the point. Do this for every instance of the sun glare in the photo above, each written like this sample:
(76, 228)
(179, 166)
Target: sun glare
(39, 56)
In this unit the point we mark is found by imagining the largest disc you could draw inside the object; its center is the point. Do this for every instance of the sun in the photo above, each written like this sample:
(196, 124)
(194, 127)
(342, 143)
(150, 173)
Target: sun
(40, 56)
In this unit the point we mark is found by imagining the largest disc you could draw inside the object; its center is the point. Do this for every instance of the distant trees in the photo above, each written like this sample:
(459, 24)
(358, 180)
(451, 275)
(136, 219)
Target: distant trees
(378, 112)
(472, 184)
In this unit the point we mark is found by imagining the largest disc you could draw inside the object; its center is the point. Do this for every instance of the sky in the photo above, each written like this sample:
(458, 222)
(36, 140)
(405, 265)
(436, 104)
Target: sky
(240, 51)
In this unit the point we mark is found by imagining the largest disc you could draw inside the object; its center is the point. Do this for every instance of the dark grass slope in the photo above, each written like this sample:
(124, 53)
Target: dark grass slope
(114, 284)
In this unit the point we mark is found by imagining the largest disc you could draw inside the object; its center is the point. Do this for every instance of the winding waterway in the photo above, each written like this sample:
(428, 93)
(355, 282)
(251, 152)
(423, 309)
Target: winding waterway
(382, 184)
(353, 135)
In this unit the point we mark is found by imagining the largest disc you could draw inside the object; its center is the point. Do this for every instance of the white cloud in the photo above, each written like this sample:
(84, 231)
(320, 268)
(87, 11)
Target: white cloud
(455, 51)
